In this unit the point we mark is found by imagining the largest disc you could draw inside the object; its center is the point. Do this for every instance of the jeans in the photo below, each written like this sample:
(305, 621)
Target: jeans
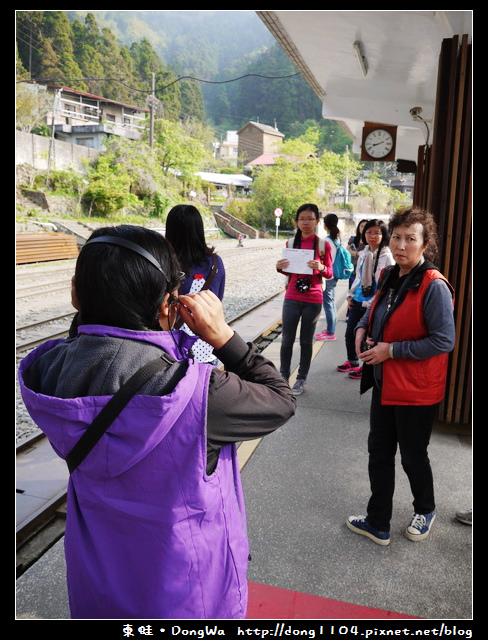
(330, 306)
(356, 312)
(410, 428)
(294, 312)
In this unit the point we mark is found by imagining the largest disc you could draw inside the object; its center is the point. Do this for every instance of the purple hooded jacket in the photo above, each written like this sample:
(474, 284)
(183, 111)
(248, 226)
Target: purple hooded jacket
(148, 534)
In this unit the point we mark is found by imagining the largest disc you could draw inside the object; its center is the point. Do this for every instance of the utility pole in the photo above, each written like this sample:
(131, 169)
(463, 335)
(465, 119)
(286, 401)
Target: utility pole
(346, 178)
(151, 117)
(50, 157)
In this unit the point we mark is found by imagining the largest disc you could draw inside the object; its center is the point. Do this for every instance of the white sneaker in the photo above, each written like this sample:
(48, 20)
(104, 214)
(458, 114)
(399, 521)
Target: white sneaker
(465, 516)
(419, 527)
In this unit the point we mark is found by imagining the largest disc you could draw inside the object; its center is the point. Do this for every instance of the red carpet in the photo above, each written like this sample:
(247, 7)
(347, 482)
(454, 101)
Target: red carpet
(281, 604)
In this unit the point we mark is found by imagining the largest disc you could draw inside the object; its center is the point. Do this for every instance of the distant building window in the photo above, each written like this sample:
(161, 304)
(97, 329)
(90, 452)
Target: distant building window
(110, 117)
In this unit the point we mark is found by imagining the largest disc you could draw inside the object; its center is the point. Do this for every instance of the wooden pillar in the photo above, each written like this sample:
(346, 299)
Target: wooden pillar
(443, 186)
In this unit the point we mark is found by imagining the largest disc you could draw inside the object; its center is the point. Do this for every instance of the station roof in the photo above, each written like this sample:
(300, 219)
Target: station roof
(400, 54)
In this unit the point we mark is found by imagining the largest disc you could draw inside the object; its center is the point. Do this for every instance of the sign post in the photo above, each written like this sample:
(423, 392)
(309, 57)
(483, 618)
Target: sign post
(278, 213)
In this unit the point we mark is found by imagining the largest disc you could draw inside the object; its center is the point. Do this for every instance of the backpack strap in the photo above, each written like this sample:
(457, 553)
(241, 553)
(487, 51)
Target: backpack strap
(175, 370)
(212, 274)
(322, 247)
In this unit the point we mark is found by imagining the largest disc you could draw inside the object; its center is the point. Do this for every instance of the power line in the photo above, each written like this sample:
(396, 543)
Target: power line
(247, 75)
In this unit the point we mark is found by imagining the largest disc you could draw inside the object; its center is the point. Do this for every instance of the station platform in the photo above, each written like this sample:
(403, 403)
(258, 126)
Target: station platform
(301, 483)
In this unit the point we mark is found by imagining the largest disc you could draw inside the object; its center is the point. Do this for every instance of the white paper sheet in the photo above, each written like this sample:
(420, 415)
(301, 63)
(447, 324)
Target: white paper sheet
(298, 259)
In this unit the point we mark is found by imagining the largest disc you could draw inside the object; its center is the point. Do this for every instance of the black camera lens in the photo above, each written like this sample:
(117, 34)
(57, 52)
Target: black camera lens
(366, 347)
(303, 285)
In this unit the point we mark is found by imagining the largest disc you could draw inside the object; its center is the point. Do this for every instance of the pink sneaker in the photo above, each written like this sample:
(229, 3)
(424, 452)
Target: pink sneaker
(324, 336)
(355, 373)
(344, 368)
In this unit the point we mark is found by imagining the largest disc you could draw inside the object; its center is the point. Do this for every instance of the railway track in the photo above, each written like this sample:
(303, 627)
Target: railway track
(43, 291)
(41, 523)
(67, 317)
(46, 323)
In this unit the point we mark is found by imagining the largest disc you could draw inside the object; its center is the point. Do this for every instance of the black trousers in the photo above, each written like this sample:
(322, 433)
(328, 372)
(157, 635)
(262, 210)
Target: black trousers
(355, 313)
(409, 428)
(307, 314)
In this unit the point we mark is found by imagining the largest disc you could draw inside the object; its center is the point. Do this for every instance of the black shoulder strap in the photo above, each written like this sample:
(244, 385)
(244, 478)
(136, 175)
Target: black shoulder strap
(212, 273)
(175, 371)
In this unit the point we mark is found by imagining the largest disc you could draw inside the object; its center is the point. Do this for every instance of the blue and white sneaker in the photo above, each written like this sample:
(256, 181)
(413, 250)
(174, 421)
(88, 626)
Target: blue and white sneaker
(299, 387)
(359, 524)
(419, 527)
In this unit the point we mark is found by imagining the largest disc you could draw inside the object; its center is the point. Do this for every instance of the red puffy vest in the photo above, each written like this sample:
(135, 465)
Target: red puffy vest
(407, 381)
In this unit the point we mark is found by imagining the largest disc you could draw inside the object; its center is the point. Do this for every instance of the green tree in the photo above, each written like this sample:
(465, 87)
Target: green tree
(381, 195)
(177, 152)
(337, 169)
(168, 92)
(108, 190)
(286, 185)
(139, 162)
(32, 105)
(299, 176)
(29, 39)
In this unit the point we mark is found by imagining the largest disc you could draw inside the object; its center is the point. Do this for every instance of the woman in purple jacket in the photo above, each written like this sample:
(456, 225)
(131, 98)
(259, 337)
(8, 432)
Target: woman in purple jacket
(156, 524)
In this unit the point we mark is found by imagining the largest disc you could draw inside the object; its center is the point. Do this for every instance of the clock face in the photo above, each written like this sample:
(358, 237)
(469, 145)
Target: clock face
(378, 143)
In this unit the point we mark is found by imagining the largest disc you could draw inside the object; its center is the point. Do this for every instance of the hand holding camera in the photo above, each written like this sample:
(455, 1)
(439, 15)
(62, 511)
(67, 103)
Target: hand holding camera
(373, 352)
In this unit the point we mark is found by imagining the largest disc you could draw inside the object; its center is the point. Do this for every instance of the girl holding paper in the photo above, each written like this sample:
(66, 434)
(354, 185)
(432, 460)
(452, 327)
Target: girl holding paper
(304, 293)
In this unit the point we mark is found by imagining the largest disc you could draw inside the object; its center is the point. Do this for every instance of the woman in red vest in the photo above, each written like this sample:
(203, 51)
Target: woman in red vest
(404, 340)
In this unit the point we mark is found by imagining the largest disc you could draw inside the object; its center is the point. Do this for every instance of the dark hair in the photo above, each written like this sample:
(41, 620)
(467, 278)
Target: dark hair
(120, 288)
(411, 215)
(331, 222)
(304, 207)
(185, 233)
(385, 236)
(359, 234)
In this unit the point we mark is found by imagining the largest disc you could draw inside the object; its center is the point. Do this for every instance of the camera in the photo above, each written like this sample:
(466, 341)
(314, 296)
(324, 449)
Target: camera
(303, 285)
(366, 347)
(415, 112)
(367, 291)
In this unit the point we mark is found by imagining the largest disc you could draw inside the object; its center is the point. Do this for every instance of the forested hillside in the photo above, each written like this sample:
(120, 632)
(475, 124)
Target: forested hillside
(114, 54)
(218, 46)
(87, 57)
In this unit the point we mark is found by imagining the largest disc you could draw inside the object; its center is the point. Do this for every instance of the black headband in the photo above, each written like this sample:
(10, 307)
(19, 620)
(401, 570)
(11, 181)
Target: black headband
(132, 246)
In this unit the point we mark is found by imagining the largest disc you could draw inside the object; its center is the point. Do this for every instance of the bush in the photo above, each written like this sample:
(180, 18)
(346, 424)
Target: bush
(66, 183)
(108, 190)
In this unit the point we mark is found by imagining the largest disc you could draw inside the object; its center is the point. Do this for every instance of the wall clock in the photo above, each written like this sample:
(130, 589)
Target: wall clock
(379, 142)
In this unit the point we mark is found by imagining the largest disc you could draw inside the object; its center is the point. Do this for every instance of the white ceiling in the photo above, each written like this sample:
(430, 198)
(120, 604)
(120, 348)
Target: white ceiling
(401, 49)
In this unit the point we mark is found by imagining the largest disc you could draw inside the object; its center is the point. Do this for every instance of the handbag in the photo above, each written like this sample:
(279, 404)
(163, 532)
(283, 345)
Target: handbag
(175, 370)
